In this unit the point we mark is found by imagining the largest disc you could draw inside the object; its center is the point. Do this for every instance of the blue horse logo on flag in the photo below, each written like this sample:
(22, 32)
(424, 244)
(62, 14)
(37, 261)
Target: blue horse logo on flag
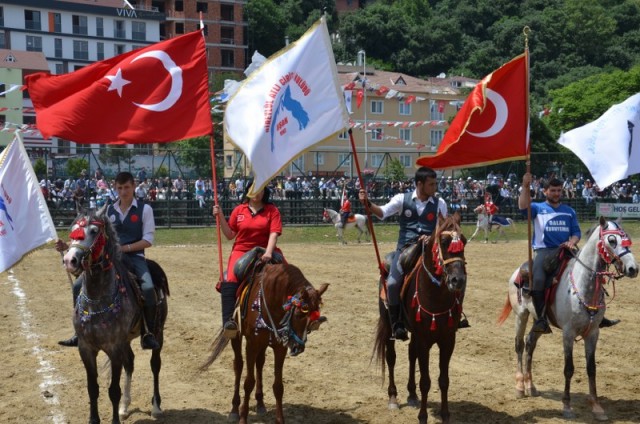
(287, 102)
(3, 207)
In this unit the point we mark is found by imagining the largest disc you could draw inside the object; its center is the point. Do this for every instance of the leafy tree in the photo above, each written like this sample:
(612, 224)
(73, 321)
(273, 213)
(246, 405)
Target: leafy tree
(75, 166)
(266, 23)
(394, 170)
(40, 168)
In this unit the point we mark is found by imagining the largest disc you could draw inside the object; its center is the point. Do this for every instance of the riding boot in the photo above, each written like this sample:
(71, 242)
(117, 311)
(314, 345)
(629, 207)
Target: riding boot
(228, 297)
(397, 325)
(148, 337)
(540, 325)
(608, 322)
(73, 340)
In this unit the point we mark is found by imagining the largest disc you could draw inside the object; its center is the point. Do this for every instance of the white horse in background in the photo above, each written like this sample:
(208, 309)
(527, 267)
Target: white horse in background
(497, 221)
(357, 220)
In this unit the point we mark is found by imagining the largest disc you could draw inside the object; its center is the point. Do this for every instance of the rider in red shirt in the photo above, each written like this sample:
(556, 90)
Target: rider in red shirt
(490, 208)
(345, 211)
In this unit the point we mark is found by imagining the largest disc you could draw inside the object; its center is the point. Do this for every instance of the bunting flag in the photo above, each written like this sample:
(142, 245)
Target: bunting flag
(156, 94)
(493, 124)
(25, 222)
(609, 146)
(348, 94)
(359, 98)
(292, 102)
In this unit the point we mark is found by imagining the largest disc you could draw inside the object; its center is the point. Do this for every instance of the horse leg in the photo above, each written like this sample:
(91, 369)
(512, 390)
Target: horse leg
(260, 359)
(474, 233)
(590, 344)
(156, 364)
(425, 380)
(412, 399)
(278, 386)
(128, 363)
(115, 393)
(89, 361)
(530, 347)
(390, 357)
(446, 351)
(238, 364)
(521, 323)
(567, 344)
(249, 381)
(486, 235)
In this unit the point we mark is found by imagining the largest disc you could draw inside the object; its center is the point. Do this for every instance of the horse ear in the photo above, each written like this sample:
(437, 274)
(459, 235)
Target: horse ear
(323, 288)
(103, 210)
(457, 217)
(603, 222)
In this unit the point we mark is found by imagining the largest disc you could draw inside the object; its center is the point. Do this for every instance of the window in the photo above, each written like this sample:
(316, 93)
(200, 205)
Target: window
(436, 138)
(1, 16)
(83, 149)
(343, 135)
(34, 44)
(297, 165)
(32, 19)
(119, 29)
(201, 7)
(79, 24)
(80, 50)
(143, 149)
(227, 35)
(377, 107)
(100, 51)
(344, 160)
(3, 119)
(179, 28)
(3, 88)
(29, 120)
(119, 49)
(179, 5)
(100, 27)
(64, 147)
(406, 134)
(228, 161)
(57, 43)
(228, 58)
(318, 158)
(59, 69)
(3, 41)
(227, 12)
(404, 109)
(377, 159)
(437, 110)
(138, 30)
(57, 22)
(405, 160)
(377, 134)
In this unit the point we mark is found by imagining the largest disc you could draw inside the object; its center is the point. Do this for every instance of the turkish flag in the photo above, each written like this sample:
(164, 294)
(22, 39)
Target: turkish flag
(493, 124)
(359, 97)
(156, 94)
(410, 99)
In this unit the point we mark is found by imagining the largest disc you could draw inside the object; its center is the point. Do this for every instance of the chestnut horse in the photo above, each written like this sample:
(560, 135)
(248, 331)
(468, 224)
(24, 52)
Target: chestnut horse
(432, 299)
(279, 308)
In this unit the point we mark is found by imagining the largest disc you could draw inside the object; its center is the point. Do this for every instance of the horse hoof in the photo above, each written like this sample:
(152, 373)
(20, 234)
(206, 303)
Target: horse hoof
(157, 413)
(568, 414)
(233, 417)
(124, 414)
(261, 409)
(519, 394)
(601, 417)
(393, 406)
(413, 401)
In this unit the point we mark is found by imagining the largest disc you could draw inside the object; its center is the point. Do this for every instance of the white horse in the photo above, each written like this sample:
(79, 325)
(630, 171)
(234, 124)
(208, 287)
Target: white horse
(498, 221)
(577, 308)
(359, 221)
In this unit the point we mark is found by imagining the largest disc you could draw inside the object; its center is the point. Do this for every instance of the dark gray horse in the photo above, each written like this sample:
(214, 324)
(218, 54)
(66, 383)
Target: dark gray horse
(108, 312)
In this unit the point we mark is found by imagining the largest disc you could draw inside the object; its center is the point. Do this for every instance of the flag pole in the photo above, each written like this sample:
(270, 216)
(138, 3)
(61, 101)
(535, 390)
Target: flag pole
(526, 30)
(215, 202)
(366, 205)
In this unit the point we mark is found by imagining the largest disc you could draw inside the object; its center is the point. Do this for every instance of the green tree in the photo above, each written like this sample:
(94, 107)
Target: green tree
(394, 170)
(40, 168)
(75, 166)
(266, 23)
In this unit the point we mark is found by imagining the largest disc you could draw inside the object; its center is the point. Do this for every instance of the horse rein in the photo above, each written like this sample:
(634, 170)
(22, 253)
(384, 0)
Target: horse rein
(93, 252)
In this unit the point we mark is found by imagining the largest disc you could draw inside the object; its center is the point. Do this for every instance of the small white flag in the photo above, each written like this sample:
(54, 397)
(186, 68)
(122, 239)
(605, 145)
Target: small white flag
(348, 96)
(25, 222)
(293, 101)
(609, 146)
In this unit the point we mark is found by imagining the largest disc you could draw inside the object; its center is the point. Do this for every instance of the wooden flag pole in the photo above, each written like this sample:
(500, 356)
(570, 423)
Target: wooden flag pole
(215, 202)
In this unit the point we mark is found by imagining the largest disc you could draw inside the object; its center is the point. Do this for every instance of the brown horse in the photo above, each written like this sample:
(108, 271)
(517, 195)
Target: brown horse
(281, 308)
(432, 299)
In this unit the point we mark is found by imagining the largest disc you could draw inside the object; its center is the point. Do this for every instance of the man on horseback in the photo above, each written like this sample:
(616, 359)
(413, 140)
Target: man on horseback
(134, 222)
(555, 225)
(345, 210)
(418, 214)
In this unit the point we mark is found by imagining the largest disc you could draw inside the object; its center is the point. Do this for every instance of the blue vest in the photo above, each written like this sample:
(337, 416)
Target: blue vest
(413, 225)
(130, 230)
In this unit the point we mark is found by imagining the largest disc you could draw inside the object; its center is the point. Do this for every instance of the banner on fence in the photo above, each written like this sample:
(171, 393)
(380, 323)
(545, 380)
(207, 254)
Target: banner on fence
(618, 210)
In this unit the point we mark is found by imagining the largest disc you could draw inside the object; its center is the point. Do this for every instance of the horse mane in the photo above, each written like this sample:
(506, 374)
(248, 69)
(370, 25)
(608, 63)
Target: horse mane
(292, 277)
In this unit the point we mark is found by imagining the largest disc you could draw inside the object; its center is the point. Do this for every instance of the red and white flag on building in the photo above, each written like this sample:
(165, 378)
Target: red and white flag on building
(156, 94)
(25, 221)
(493, 124)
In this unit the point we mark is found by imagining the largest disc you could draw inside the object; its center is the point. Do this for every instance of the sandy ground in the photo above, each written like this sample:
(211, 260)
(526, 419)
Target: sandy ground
(333, 381)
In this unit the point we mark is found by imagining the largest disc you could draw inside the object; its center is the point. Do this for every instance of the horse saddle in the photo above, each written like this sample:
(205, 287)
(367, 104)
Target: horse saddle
(554, 266)
(409, 255)
(248, 266)
(352, 218)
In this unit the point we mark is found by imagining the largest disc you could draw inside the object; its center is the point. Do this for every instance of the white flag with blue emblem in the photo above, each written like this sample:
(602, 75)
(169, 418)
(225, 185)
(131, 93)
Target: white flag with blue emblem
(609, 146)
(25, 221)
(290, 103)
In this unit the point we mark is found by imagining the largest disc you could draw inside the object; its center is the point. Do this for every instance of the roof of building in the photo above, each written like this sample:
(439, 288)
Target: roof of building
(16, 59)
(403, 82)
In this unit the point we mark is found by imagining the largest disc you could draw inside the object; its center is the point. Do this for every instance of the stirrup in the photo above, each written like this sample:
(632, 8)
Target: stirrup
(541, 326)
(70, 342)
(400, 333)
(230, 329)
(608, 322)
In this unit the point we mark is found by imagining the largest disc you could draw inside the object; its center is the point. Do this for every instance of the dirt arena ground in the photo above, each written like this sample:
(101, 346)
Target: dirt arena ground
(333, 382)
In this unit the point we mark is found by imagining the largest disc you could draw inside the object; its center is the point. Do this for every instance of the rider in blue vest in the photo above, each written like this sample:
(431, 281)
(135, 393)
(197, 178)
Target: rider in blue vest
(135, 225)
(418, 214)
(554, 225)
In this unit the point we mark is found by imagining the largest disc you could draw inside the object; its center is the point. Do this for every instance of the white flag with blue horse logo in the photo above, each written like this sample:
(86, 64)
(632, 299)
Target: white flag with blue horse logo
(290, 103)
(609, 146)
(25, 221)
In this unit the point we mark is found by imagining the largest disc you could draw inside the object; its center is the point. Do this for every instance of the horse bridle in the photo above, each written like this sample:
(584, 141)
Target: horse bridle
(91, 254)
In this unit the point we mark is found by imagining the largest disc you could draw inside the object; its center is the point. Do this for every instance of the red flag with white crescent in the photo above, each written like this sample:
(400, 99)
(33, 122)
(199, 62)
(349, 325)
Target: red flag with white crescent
(493, 124)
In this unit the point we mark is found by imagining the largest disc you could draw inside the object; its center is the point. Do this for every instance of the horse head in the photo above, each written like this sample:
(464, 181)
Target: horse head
(614, 248)
(306, 317)
(92, 242)
(327, 216)
(448, 252)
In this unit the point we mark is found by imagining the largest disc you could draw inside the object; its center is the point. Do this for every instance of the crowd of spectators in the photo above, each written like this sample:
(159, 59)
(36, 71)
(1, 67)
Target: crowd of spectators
(460, 193)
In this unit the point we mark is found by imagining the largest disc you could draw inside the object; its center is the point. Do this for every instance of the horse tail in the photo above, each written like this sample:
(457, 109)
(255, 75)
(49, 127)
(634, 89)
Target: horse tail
(505, 311)
(217, 346)
(383, 334)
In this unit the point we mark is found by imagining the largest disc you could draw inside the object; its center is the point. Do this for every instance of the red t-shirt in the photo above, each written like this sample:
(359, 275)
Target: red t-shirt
(491, 208)
(346, 206)
(251, 231)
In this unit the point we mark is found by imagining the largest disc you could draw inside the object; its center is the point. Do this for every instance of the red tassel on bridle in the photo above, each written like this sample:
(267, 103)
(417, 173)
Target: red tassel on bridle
(436, 259)
(434, 326)
(450, 322)
(418, 316)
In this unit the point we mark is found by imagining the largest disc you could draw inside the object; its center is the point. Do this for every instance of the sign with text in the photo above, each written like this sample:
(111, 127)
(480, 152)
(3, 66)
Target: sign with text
(615, 210)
